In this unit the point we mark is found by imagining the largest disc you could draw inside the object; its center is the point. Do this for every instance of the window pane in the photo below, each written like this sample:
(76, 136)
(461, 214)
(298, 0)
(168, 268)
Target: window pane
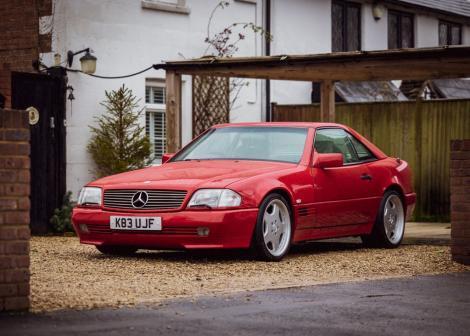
(147, 124)
(456, 34)
(443, 34)
(158, 95)
(147, 94)
(392, 31)
(337, 27)
(335, 141)
(362, 152)
(407, 31)
(354, 28)
(155, 130)
(284, 144)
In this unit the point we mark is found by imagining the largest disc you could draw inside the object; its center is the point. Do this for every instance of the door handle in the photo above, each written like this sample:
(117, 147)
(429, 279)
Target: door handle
(366, 177)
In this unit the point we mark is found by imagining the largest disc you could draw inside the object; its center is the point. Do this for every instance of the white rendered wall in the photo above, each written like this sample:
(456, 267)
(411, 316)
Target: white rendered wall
(466, 35)
(426, 31)
(298, 27)
(126, 38)
(374, 33)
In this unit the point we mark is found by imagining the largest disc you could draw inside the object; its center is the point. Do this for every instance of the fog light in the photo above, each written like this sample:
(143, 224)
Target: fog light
(84, 228)
(203, 231)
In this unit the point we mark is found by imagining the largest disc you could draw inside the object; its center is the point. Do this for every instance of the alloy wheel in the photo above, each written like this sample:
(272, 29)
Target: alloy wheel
(276, 227)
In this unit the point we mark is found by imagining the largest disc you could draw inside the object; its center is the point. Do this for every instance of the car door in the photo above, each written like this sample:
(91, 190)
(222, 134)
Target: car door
(343, 195)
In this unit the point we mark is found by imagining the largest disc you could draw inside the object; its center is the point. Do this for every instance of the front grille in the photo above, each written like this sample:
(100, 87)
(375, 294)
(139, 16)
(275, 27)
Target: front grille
(157, 199)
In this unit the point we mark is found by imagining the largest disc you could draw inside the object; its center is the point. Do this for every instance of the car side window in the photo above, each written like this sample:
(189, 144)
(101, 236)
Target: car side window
(362, 152)
(335, 140)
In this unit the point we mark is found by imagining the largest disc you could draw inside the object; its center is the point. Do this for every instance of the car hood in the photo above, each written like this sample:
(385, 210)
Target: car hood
(187, 175)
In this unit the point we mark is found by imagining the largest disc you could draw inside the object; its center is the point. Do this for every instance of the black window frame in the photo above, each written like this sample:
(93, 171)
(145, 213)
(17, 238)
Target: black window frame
(449, 25)
(374, 158)
(399, 32)
(345, 5)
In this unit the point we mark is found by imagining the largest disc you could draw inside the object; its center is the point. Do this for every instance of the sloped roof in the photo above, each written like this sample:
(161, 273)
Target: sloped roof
(458, 7)
(452, 88)
(356, 92)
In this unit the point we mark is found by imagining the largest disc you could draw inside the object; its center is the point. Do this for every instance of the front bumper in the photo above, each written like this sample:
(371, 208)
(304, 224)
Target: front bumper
(228, 229)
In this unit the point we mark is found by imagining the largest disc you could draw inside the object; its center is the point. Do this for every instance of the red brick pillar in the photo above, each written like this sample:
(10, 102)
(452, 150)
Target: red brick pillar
(14, 210)
(460, 200)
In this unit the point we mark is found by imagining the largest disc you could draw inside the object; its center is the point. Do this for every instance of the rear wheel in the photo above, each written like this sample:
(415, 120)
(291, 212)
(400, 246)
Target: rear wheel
(273, 230)
(116, 250)
(389, 226)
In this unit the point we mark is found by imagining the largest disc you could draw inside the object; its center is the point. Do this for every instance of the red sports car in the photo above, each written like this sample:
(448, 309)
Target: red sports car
(260, 185)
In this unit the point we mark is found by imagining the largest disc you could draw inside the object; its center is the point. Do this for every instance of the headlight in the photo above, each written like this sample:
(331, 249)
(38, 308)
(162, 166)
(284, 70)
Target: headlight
(89, 196)
(215, 198)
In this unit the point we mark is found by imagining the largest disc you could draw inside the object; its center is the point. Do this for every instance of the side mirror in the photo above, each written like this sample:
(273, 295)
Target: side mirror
(329, 160)
(167, 156)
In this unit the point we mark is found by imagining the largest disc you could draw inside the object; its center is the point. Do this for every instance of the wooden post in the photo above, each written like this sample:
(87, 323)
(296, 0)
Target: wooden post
(274, 116)
(327, 101)
(173, 111)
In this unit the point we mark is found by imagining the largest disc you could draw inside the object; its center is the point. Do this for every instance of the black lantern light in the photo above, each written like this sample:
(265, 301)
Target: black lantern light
(87, 61)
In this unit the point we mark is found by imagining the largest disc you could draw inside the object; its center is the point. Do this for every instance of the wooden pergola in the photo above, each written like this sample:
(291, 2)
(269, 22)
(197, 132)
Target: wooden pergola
(414, 64)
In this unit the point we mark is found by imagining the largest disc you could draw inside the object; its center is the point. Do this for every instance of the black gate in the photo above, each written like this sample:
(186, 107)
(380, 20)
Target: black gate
(45, 93)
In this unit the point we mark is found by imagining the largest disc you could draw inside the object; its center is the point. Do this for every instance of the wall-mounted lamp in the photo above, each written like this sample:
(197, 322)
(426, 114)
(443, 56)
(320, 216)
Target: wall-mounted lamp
(378, 11)
(87, 61)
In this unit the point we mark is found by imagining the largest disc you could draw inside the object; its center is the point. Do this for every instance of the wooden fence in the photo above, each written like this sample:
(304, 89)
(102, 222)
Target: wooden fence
(416, 131)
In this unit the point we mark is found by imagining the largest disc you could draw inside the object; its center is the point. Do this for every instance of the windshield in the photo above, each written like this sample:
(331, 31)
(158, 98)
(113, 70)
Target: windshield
(285, 144)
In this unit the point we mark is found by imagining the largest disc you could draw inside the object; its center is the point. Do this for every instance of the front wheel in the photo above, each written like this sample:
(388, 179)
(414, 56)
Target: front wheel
(389, 226)
(116, 250)
(273, 230)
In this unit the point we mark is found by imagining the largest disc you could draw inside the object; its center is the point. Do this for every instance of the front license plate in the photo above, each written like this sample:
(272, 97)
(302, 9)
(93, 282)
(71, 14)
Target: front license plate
(136, 223)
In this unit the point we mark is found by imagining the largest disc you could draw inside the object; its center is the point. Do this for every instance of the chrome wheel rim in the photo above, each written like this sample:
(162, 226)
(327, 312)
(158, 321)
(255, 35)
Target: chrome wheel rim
(394, 219)
(276, 227)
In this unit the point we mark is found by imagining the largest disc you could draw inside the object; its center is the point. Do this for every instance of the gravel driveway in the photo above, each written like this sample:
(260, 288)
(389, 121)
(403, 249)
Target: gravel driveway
(65, 274)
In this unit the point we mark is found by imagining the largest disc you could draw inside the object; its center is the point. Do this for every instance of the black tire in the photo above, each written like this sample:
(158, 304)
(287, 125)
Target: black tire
(116, 250)
(378, 237)
(259, 245)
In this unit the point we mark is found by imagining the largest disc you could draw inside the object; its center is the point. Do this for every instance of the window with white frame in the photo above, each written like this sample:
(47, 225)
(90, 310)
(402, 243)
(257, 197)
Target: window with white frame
(173, 6)
(155, 126)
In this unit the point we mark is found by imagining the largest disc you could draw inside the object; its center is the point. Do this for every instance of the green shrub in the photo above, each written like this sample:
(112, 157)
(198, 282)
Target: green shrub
(62, 219)
(118, 142)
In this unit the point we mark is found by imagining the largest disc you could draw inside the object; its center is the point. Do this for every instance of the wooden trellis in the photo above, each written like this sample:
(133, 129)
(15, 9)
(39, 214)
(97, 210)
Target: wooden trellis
(211, 102)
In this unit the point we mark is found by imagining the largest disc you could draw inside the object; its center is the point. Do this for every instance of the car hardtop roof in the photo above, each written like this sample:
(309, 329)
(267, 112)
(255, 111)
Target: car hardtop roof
(281, 124)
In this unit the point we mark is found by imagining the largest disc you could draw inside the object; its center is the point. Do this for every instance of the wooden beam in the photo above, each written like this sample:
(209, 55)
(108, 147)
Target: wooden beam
(327, 101)
(341, 71)
(417, 64)
(173, 111)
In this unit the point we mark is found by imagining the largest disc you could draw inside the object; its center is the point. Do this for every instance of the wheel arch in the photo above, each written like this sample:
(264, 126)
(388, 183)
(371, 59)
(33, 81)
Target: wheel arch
(396, 187)
(283, 192)
(290, 200)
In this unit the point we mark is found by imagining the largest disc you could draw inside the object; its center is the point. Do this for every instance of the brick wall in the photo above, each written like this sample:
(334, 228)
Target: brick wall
(460, 200)
(20, 41)
(14, 210)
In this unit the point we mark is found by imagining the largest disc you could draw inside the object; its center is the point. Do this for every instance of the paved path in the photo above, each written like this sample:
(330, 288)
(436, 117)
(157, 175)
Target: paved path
(425, 305)
(415, 233)
(427, 233)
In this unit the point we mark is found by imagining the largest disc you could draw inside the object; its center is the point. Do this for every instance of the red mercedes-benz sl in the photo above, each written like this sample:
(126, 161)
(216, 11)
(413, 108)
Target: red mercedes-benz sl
(264, 186)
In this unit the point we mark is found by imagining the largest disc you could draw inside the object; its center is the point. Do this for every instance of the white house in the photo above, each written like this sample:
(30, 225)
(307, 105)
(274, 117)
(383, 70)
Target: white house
(130, 35)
